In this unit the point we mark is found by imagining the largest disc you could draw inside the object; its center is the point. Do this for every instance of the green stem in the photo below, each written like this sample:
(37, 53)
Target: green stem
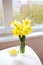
(22, 44)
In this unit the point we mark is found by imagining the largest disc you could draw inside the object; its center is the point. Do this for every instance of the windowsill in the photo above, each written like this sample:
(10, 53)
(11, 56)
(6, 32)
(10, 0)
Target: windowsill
(14, 38)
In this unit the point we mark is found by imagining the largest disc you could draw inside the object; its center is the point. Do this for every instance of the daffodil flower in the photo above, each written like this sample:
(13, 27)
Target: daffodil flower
(26, 22)
(22, 28)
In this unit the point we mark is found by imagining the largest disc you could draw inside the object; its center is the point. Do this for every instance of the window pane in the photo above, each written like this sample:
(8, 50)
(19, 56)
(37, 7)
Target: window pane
(21, 9)
(31, 9)
(1, 14)
(37, 11)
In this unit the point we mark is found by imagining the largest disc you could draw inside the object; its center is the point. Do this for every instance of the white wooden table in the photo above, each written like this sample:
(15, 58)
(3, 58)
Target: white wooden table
(29, 58)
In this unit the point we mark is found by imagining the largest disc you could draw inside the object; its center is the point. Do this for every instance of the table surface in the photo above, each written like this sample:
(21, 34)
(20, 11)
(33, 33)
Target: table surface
(29, 58)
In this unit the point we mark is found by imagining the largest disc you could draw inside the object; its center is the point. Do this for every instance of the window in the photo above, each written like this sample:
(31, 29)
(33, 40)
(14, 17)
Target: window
(31, 9)
(37, 11)
(21, 9)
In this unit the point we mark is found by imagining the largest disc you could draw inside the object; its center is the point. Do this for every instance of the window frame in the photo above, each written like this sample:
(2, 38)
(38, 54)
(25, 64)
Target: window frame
(8, 16)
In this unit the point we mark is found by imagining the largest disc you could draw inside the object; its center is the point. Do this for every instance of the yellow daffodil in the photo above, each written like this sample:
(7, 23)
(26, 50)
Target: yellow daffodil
(23, 28)
(27, 30)
(26, 22)
(16, 32)
(13, 23)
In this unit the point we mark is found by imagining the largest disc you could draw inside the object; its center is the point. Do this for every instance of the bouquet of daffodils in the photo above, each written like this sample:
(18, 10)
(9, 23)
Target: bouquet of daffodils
(22, 29)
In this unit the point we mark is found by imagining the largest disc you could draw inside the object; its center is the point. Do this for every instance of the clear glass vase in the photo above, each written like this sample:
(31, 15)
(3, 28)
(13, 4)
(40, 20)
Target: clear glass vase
(22, 44)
